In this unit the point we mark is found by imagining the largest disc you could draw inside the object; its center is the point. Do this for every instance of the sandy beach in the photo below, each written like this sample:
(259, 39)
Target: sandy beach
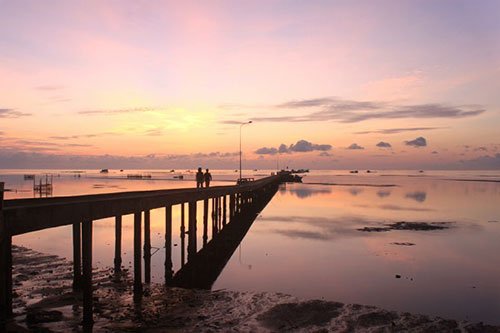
(45, 302)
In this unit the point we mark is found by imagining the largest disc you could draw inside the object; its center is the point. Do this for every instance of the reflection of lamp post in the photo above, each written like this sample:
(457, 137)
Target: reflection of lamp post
(241, 262)
(241, 125)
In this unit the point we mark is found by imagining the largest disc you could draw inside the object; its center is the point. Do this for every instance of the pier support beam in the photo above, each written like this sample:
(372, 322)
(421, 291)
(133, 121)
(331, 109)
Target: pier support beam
(77, 256)
(147, 246)
(87, 275)
(5, 266)
(192, 230)
(183, 235)
(118, 244)
(219, 213)
(168, 244)
(232, 203)
(224, 210)
(137, 258)
(205, 222)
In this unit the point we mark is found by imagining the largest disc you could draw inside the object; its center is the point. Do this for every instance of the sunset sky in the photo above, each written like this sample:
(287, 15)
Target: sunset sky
(327, 84)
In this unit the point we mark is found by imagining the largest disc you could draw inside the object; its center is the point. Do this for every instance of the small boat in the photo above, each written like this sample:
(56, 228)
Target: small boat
(29, 177)
(353, 171)
(104, 170)
(179, 177)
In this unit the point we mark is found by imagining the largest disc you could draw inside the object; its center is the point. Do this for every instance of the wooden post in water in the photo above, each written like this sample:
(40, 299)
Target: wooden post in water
(205, 222)
(168, 244)
(147, 246)
(137, 258)
(183, 236)
(87, 275)
(5, 266)
(192, 230)
(77, 256)
(118, 243)
(224, 210)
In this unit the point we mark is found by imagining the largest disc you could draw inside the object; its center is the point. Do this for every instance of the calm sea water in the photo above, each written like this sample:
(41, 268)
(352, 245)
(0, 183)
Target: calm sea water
(306, 242)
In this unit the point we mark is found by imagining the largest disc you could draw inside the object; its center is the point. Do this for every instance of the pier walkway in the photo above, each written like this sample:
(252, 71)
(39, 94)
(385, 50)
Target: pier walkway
(232, 210)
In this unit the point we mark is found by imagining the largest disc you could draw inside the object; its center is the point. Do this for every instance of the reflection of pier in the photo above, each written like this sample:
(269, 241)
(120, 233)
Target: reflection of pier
(203, 268)
(233, 209)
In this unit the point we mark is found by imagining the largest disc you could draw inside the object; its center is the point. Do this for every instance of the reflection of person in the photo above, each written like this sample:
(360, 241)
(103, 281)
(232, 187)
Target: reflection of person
(199, 178)
(208, 177)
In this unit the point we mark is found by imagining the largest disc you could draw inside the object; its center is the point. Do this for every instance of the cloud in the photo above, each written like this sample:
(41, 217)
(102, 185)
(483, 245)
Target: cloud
(399, 130)
(231, 122)
(483, 162)
(301, 146)
(306, 146)
(282, 149)
(49, 157)
(49, 87)
(383, 144)
(355, 146)
(306, 103)
(266, 151)
(351, 111)
(12, 113)
(81, 136)
(120, 111)
(418, 142)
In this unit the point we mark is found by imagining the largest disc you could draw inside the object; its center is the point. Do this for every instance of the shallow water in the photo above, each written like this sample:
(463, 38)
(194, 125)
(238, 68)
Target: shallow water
(307, 243)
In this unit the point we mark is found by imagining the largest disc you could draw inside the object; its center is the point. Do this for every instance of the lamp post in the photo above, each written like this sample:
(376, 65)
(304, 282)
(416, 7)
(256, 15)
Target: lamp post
(241, 125)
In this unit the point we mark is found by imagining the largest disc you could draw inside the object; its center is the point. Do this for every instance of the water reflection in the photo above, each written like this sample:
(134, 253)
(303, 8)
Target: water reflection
(418, 196)
(355, 190)
(309, 191)
(203, 268)
(383, 193)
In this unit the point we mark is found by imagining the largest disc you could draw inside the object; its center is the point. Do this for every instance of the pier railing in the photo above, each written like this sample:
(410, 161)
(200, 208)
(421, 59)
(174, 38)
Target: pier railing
(227, 205)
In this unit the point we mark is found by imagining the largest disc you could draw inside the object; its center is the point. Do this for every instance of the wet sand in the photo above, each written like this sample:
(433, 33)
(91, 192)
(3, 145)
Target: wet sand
(44, 301)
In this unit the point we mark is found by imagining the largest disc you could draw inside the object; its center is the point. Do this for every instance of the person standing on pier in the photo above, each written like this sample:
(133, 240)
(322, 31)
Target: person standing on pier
(199, 178)
(208, 178)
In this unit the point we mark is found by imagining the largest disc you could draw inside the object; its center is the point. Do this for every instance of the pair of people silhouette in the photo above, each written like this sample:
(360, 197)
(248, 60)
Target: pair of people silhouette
(203, 178)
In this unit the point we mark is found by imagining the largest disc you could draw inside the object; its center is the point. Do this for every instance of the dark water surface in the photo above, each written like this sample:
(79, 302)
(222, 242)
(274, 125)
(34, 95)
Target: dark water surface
(306, 242)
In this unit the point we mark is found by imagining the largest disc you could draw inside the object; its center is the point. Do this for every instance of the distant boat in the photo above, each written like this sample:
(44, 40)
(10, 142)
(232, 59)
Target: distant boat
(104, 170)
(29, 177)
(179, 177)
(353, 171)
(121, 170)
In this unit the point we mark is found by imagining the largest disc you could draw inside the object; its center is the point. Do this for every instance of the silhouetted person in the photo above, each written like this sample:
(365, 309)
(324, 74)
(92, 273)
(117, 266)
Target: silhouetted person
(208, 177)
(199, 178)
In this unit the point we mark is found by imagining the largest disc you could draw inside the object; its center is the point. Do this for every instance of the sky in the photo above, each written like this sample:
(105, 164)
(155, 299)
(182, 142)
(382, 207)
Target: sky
(327, 84)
